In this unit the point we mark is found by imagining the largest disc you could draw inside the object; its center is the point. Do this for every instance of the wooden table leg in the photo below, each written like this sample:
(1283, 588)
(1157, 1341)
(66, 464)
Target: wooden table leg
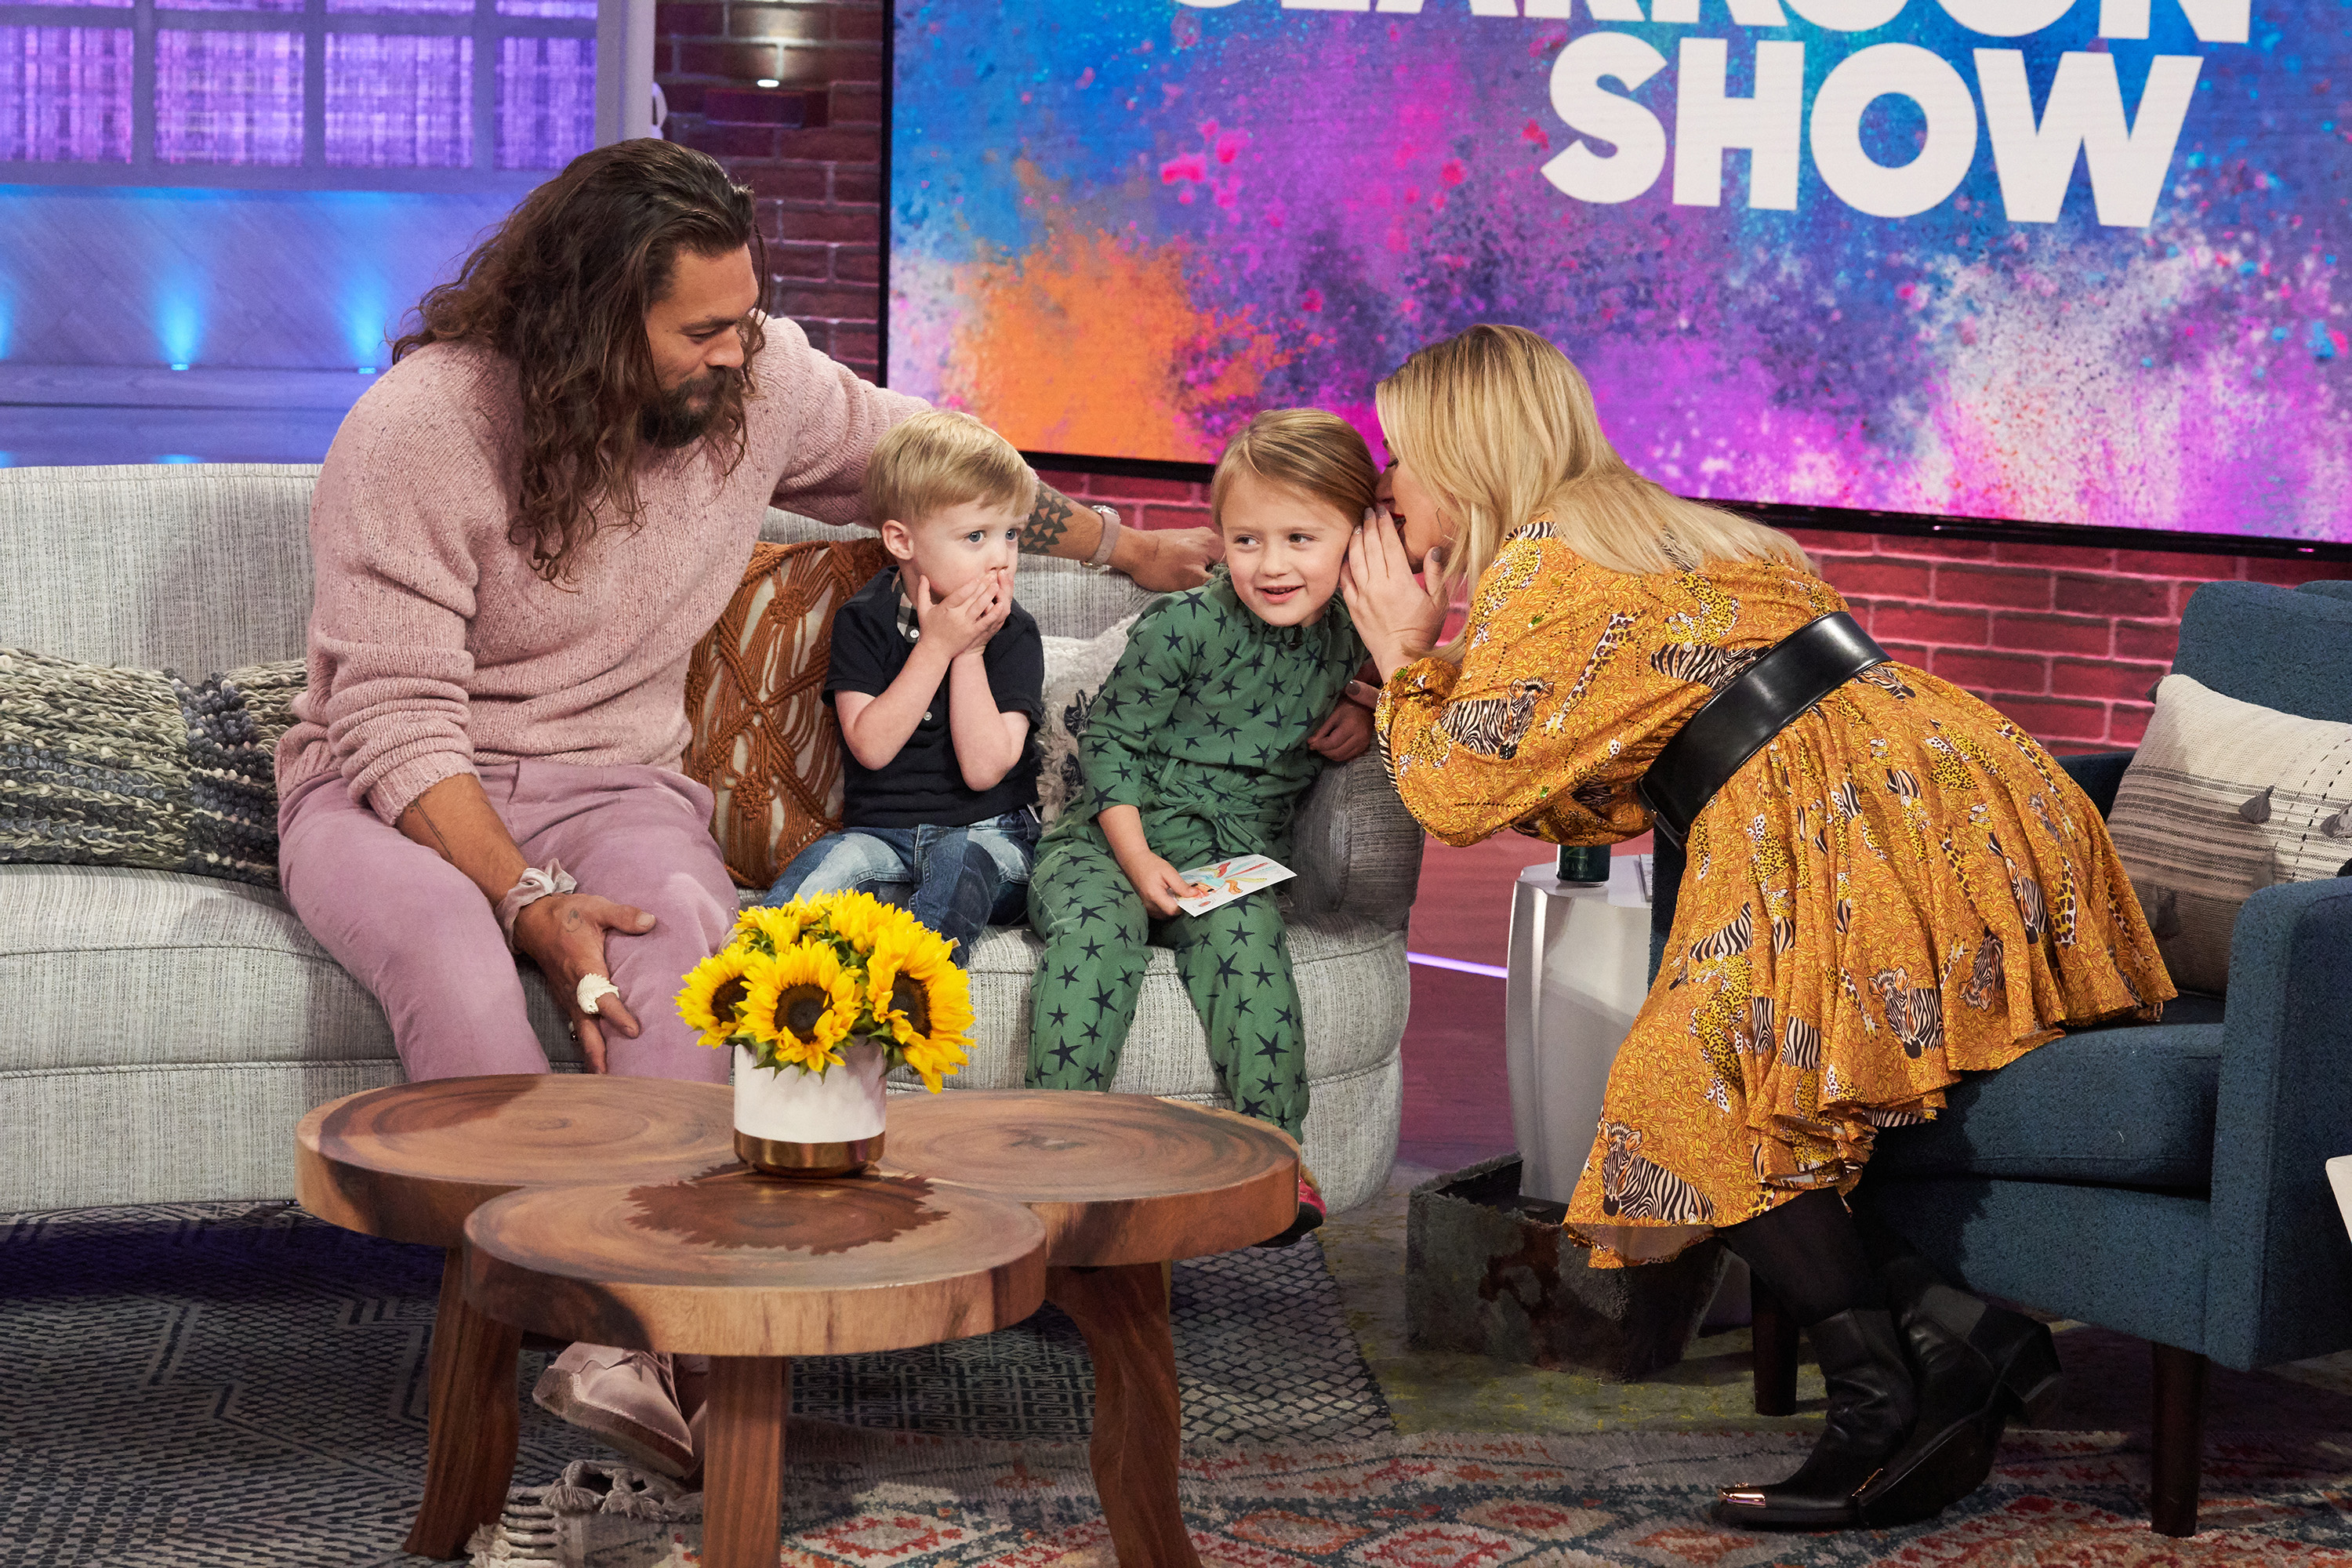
(744, 1455)
(474, 1420)
(1139, 1429)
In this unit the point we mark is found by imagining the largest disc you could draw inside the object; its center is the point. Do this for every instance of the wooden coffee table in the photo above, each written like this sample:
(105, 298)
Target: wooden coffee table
(410, 1162)
(751, 1271)
(1125, 1184)
(613, 1210)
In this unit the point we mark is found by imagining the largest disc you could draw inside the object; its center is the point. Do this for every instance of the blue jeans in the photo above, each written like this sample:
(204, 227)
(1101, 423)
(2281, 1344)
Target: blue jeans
(954, 880)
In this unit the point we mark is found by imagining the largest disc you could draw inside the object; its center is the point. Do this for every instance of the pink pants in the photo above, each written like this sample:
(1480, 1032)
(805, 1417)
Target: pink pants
(420, 936)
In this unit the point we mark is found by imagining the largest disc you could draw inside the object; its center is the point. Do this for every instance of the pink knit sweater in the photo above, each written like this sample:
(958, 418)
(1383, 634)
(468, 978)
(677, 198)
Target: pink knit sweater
(433, 646)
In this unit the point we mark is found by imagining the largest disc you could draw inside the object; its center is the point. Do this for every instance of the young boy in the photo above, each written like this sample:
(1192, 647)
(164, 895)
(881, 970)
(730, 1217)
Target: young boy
(935, 678)
(1199, 747)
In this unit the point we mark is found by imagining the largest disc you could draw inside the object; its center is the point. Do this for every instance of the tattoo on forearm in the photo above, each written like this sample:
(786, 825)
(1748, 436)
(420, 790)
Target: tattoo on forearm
(1047, 522)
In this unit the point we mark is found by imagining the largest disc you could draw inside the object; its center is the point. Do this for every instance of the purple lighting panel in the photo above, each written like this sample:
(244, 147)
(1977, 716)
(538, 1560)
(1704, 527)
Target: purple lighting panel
(399, 101)
(228, 4)
(65, 95)
(561, 10)
(547, 101)
(229, 98)
(402, 7)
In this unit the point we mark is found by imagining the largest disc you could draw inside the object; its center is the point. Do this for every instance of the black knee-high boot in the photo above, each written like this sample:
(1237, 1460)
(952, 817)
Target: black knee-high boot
(2019, 1348)
(1808, 1253)
(1976, 1364)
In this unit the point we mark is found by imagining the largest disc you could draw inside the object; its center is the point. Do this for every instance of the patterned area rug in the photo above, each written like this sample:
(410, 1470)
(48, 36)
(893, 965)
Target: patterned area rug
(1433, 1501)
(242, 1384)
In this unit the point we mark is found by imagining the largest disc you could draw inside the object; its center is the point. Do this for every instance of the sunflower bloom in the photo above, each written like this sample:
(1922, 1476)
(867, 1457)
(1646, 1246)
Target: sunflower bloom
(863, 921)
(932, 1060)
(770, 930)
(920, 1000)
(804, 1003)
(712, 1001)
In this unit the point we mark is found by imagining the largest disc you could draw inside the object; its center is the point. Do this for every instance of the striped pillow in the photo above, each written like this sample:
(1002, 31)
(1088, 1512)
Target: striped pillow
(2224, 798)
(101, 766)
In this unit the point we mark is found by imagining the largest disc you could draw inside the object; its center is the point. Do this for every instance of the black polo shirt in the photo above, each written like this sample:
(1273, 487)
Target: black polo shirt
(873, 636)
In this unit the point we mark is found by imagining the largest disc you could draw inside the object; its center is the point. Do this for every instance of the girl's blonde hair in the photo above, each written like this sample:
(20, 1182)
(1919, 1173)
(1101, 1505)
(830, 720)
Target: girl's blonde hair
(1318, 455)
(1500, 426)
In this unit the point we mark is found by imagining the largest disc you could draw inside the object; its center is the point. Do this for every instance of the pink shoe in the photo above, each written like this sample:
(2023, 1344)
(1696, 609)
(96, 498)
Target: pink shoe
(627, 1399)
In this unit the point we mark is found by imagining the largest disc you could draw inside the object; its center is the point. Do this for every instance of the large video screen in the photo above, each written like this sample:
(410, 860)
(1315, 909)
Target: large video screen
(2066, 261)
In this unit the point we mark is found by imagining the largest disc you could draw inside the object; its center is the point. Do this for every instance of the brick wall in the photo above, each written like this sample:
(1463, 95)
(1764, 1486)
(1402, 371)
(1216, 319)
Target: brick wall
(809, 145)
(2065, 640)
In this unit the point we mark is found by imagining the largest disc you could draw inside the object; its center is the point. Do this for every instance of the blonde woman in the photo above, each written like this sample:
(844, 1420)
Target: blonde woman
(1889, 883)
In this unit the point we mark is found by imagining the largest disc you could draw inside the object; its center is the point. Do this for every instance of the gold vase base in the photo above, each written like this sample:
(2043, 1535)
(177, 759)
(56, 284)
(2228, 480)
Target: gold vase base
(807, 1161)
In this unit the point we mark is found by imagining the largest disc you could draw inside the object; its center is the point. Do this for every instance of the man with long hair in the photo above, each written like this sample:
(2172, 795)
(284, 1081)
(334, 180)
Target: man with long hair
(520, 534)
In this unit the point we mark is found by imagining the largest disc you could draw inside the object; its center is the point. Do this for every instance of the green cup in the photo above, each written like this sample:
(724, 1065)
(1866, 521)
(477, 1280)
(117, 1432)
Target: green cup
(1583, 865)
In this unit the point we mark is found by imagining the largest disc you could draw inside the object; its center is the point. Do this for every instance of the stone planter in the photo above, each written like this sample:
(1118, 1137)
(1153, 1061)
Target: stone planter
(1490, 1272)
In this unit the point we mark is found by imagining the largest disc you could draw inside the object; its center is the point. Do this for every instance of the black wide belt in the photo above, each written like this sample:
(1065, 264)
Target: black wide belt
(1795, 673)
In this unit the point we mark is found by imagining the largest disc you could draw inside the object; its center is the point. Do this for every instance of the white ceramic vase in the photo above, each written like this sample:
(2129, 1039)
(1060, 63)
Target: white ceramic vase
(794, 1124)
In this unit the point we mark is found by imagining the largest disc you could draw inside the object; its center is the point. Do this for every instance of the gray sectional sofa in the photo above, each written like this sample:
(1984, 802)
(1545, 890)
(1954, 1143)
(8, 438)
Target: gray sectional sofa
(161, 1034)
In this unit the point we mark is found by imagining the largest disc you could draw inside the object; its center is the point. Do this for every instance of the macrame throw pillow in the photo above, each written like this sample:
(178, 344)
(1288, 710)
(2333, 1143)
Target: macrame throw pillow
(2224, 798)
(764, 740)
(1075, 669)
(101, 766)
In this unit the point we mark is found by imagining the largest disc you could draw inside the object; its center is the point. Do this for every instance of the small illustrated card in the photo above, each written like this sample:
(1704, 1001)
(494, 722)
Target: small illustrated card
(1231, 879)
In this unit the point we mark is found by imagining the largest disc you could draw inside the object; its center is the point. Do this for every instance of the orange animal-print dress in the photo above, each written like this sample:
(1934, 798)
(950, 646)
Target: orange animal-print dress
(1901, 887)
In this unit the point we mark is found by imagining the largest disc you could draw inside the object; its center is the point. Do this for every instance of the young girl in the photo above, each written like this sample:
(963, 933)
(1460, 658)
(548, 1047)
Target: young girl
(1196, 750)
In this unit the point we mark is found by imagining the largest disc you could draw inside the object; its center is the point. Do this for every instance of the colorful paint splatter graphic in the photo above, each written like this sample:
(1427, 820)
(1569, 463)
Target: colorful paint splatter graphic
(1119, 227)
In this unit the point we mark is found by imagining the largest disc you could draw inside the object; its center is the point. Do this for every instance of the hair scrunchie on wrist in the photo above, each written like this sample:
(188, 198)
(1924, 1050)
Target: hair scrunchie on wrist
(533, 885)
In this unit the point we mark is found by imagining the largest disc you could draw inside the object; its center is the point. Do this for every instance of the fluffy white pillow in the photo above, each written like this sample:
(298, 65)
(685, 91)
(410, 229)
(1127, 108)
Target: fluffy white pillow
(1075, 669)
(2222, 799)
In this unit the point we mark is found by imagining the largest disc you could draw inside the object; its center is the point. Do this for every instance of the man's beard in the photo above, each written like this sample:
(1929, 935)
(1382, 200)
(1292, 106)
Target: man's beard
(688, 411)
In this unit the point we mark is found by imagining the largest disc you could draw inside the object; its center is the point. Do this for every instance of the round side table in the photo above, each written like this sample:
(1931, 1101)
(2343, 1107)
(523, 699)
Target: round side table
(1125, 1184)
(410, 1162)
(751, 1271)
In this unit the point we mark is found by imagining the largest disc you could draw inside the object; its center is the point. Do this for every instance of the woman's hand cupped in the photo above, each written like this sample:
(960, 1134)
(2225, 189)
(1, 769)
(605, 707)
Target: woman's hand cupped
(1398, 617)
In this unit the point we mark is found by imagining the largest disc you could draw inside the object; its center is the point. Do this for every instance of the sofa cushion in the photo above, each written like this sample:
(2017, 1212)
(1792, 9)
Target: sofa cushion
(113, 967)
(101, 766)
(2222, 798)
(192, 566)
(2129, 1105)
(110, 968)
(764, 740)
(1076, 669)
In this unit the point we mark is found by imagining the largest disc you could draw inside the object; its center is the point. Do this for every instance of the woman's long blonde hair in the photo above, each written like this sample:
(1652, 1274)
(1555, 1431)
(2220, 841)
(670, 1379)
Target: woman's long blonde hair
(1500, 426)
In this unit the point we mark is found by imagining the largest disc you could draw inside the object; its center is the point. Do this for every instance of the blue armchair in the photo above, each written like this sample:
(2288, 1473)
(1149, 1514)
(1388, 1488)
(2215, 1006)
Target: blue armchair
(2163, 1180)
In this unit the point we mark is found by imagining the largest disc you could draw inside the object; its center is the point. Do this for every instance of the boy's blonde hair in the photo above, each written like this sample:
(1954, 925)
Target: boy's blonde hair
(1318, 455)
(1500, 426)
(942, 458)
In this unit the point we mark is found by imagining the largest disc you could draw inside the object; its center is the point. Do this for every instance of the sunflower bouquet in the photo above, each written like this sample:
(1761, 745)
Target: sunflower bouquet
(796, 982)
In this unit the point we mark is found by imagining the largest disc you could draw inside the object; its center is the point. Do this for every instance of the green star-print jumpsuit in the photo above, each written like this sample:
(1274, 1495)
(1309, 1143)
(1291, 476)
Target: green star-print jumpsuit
(1203, 727)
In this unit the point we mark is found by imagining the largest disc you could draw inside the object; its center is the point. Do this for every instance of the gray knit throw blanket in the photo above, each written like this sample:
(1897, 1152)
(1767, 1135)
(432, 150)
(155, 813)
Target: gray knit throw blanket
(138, 767)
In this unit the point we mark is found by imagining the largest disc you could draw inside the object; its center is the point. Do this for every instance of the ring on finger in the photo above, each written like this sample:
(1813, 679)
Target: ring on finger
(592, 989)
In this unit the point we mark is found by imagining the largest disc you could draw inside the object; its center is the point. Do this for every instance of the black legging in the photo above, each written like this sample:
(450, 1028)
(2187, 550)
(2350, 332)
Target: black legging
(1809, 1253)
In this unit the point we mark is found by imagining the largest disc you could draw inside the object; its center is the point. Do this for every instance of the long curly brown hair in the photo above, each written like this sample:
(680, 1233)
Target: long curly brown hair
(562, 288)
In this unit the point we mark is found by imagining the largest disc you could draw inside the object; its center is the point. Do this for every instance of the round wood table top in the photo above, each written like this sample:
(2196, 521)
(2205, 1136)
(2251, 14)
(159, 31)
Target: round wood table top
(1116, 1178)
(410, 1162)
(748, 1265)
